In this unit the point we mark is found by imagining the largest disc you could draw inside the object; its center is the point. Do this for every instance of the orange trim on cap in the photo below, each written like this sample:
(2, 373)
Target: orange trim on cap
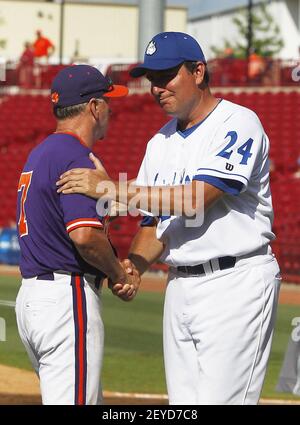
(118, 91)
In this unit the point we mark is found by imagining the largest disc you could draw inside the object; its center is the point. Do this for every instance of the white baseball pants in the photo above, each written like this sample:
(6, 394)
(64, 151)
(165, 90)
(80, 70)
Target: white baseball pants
(60, 324)
(218, 330)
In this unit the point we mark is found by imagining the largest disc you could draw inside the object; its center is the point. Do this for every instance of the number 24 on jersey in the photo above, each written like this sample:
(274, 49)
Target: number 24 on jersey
(243, 150)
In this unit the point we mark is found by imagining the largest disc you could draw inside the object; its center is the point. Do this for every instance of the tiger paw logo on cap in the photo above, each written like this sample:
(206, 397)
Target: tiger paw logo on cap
(151, 48)
(55, 97)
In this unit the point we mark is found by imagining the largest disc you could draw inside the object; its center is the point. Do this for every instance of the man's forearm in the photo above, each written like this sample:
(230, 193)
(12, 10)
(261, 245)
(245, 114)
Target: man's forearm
(182, 200)
(145, 249)
(151, 198)
(98, 252)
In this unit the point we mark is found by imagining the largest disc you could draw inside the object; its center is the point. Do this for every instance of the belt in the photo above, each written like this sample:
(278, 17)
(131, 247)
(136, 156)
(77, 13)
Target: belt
(50, 276)
(221, 263)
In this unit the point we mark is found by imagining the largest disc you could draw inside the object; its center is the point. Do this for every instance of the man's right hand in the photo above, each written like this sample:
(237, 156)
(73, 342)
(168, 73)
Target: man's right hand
(86, 181)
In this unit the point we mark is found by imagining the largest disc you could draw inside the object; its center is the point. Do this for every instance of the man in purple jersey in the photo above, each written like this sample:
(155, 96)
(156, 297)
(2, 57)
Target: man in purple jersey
(65, 252)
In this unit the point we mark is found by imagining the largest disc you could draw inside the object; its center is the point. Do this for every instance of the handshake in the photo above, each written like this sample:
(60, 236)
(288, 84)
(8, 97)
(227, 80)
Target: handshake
(128, 287)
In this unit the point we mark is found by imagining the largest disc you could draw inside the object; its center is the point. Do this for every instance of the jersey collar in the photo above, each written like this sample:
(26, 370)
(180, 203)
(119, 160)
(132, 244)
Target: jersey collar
(73, 135)
(189, 131)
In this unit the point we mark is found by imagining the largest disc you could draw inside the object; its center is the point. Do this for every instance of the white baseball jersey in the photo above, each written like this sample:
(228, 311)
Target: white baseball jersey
(229, 149)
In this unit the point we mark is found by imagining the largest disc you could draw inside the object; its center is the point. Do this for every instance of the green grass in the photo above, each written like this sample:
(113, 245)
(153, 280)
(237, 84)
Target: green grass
(12, 351)
(133, 342)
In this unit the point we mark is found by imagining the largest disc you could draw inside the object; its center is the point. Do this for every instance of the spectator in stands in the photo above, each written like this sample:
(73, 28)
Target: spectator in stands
(273, 174)
(256, 66)
(227, 62)
(43, 48)
(25, 68)
(272, 72)
(228, 53)
(297, 173)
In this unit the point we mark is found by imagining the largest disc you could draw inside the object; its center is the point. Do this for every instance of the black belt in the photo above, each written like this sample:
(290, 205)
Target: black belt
(45, 276)
(50, 276)
(224, 263)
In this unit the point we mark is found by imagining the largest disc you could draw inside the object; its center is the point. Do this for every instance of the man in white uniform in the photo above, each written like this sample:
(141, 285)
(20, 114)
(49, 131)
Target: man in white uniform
(223, 284)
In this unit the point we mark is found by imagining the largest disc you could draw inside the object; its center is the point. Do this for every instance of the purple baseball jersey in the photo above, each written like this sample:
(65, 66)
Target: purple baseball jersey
(45, 217)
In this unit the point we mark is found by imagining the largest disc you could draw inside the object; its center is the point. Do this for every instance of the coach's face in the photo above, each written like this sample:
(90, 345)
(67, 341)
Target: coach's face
(176, 89)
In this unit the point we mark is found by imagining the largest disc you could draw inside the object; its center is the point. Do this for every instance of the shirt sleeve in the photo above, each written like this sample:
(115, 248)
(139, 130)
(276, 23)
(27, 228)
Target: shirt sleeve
(232, 187)
(234, 152)
(148, 221)
(80, 210)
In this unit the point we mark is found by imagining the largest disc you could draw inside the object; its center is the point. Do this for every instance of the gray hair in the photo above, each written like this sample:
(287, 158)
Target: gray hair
(63, 112)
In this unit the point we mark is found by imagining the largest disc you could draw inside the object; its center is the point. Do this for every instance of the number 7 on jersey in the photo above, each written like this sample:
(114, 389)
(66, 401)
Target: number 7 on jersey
(24, 184)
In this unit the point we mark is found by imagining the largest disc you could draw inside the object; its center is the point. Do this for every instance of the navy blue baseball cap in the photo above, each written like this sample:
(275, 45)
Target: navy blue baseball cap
(167, 50)
(78, 84)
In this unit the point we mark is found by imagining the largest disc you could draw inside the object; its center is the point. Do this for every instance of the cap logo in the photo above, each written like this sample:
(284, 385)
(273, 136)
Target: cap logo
(151, 48)
(55, 97)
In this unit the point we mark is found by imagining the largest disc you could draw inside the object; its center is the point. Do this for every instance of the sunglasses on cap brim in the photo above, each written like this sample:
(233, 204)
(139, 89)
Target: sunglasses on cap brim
(113, 90)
